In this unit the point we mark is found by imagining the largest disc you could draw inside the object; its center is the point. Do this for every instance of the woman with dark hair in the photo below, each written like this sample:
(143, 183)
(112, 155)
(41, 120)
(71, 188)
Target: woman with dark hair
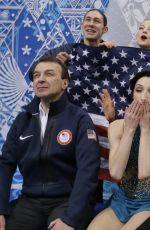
(129, 162)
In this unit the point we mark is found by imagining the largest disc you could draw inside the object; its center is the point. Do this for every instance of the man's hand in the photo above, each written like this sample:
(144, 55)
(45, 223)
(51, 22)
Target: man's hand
(59, 225)
(107, 105)
(63, 56)
(107, 44)
(2, 222)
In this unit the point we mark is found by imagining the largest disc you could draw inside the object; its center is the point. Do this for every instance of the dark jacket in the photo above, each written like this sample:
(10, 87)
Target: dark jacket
(66, 164)
(68, 48)
(63, 48)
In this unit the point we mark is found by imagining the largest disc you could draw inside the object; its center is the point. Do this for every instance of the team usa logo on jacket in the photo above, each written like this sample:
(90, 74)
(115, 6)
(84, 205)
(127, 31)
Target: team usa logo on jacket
(64, 137)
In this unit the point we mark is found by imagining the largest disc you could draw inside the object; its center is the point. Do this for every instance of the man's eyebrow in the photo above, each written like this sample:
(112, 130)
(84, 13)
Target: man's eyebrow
(93, 17)
(46, 70)
(52, 70)
(35, 71)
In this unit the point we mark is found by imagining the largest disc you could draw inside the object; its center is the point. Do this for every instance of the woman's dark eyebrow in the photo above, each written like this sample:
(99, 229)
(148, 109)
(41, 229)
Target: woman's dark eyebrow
(139, 85)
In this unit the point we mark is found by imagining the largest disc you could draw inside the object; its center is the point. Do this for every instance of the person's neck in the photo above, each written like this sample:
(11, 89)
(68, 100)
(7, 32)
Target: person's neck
(93, 43)
(45, 106)
(144, 47)
(46, 102)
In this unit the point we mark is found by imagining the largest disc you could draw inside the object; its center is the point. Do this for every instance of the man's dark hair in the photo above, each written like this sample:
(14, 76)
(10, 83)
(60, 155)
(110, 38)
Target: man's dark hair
(139, 75)
(100, 12)
(64, 75)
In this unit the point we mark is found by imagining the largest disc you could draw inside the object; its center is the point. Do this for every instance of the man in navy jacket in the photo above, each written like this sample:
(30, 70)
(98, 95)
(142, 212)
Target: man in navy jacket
(54, 144)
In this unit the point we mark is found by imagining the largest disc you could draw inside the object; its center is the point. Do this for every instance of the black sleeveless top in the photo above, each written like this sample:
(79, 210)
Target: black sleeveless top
(132, 186)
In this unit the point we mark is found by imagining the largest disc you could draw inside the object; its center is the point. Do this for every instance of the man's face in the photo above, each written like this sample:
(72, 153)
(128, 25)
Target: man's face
(47, 82)
(143, 35)
(93, 26)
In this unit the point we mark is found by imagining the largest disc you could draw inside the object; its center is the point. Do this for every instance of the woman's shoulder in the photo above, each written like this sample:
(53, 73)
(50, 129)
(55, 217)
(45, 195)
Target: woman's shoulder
(116, 128)
(117, 123)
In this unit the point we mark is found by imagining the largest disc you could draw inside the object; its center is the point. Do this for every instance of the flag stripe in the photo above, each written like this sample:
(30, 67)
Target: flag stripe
(104, 153)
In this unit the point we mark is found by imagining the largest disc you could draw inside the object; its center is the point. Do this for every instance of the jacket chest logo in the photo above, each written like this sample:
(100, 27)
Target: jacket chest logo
(64, 137)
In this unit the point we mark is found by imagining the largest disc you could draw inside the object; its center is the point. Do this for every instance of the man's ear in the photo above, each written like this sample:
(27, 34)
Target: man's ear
(65, 84)
(105, 29)
(81, 28)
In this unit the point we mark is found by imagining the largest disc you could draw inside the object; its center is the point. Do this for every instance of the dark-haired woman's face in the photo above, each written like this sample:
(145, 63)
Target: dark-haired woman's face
(142, 89)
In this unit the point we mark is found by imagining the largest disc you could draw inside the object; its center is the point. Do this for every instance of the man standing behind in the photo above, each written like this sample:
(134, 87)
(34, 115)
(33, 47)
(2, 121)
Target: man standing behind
(54, 144)
(93, 27)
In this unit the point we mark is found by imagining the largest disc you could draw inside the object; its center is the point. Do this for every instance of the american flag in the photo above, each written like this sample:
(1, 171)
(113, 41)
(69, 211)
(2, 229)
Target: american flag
(91, 134)
(93, 69)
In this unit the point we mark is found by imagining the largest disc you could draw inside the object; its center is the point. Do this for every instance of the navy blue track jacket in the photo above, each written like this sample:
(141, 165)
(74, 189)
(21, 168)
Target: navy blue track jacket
(68, 48)
(66, 164)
